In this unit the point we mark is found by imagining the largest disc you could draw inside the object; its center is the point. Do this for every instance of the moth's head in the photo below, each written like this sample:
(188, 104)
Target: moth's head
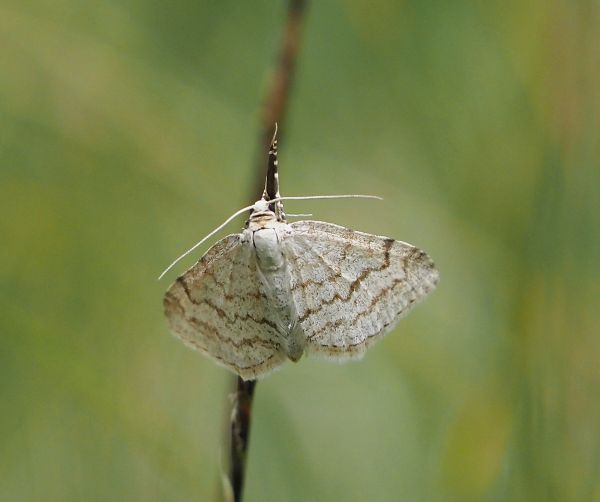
(261, 216)
(260, 206)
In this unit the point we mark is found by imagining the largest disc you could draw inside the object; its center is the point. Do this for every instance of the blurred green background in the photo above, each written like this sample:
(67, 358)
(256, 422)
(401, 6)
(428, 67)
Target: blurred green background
(128, 131)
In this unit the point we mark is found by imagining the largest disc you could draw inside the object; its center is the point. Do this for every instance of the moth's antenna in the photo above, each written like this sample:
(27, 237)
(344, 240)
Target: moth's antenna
(237, 213)
(311, 197)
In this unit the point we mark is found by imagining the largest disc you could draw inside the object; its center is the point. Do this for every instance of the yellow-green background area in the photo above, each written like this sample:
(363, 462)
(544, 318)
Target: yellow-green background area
(128, 131)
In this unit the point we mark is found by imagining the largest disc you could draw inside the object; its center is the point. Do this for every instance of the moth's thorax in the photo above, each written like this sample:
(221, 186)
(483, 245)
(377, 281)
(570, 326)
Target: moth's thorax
(268, 249)
(262, 231)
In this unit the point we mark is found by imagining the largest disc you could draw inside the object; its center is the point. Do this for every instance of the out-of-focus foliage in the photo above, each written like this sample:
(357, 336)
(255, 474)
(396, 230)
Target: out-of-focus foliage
(127, 132)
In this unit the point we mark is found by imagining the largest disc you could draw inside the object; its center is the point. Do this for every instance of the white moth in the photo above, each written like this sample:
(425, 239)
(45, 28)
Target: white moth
(278, 290)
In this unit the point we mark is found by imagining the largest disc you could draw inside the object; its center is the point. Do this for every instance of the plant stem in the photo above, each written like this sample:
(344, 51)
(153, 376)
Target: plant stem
(239, 434)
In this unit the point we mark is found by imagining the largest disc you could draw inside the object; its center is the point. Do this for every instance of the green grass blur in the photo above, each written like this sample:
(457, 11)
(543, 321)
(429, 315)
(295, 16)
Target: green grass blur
(128, 131)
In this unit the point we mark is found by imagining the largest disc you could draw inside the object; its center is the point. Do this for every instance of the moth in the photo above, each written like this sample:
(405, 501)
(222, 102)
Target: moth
(278, 290)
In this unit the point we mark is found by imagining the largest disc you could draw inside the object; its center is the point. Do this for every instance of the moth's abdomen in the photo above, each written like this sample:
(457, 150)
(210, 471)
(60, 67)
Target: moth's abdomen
(274, 273)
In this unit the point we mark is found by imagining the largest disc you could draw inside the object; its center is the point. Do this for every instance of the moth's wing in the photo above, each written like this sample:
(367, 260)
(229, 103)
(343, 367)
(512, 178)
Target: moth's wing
(219, 308)
(350, 288)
